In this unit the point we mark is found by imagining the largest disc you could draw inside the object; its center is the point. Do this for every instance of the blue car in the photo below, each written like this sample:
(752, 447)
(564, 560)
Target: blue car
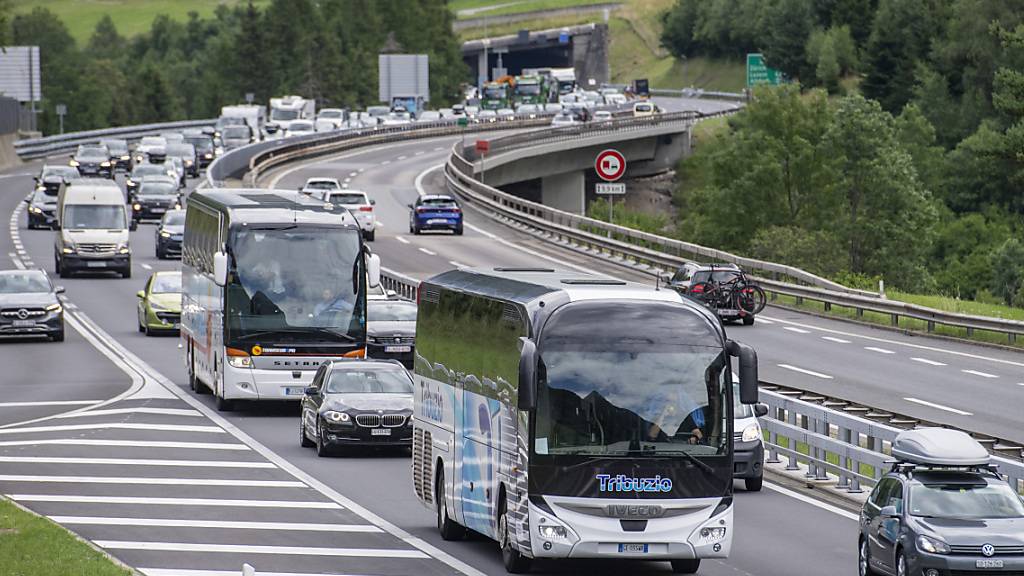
(435, 212)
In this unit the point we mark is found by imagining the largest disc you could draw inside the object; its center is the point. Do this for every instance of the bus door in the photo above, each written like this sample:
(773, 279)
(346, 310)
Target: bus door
(481, 432)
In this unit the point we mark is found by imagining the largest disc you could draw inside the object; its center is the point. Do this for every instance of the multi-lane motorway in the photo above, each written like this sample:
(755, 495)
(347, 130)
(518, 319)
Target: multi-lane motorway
(162, 481)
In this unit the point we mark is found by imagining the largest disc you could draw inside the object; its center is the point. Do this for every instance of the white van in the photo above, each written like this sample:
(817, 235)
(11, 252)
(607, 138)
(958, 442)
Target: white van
(92, 226)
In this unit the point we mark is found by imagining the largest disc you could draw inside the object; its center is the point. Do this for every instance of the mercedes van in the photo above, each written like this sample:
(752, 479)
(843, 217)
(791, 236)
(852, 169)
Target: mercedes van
(92, 227)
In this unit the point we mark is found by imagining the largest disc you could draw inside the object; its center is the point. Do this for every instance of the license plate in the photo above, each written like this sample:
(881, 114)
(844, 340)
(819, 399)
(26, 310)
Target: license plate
(100, 264)
(988, 563)
(380, 432)
(728, 312)
(437, 221)
(633, 548)
(291, 391)
(24, 323)
(176, 326)
(159, 210)
(398, 348)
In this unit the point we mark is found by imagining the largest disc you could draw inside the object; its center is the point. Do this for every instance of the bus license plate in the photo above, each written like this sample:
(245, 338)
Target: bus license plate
(988, 563)
(633, 548)
(398, 348)
(380, 432)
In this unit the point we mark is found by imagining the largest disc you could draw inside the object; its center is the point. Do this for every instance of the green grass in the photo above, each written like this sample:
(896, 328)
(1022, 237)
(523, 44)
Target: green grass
(131, 17)
(960, 306)
(515, 6)
(31, 545)
(508, 29)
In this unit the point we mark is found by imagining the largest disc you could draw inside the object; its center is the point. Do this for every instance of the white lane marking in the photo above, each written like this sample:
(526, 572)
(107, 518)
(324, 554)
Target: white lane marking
(938, 406)
(419, 153)
(361, 170)
(175, 523)
(1020, 383)
(306, 505)
(147, 266)
(763, 321)
(347, 180)
(982, 374)
(797, 330)
(418, 182)
(401, 157)
(252, 549)
(805, 371)
(428, 252)
(16, 261)
(353, 174)
(125, 444)
(904, 344)
(116, 426)
(439, 148)
(134, 462)
(402, 240)
(385, 163)
(154, 481)
(928, 362)
(812, 501)
(139, 410)
(302, 165)
(49, 403)
(457, 265)
(879, 350)
(177, 572)
(836, 340)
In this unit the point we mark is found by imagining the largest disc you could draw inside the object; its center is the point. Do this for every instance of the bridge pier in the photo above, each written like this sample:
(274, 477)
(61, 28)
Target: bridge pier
(564, 192)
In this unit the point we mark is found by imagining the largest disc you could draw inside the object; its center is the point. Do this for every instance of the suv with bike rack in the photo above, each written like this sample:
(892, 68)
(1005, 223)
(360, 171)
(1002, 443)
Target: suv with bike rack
(724, 288)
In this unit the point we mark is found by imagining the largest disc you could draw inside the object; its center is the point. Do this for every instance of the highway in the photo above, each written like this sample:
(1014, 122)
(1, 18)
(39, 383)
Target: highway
(362, 505)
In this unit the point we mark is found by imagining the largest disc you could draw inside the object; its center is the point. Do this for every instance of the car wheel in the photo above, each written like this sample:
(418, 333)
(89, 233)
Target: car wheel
(304, 440)
(127, 272)
(748, 320)
(146, 330)
(160, 255)
(687, 566)
(58, 336)
(901, 563)
(753, 484)
(458, 231)
(511, 557)
(449, 529)
(142, 328)
(864, 559)
(322, 448)
(371, 235)
(416, 230)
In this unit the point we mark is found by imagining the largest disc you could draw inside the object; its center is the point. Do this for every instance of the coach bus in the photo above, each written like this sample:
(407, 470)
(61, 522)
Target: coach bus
(574, 416)
(273, 284)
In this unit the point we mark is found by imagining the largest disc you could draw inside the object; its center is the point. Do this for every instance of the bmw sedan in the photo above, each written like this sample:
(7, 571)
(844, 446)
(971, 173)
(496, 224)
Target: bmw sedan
(159, 309)
(364, 402)
(29, 305)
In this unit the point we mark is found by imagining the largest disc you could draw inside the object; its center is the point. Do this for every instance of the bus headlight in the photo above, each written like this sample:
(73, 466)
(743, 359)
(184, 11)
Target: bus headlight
(337, 416)
(240, 361)
(548, 531)
(751, 432)
(710, 535)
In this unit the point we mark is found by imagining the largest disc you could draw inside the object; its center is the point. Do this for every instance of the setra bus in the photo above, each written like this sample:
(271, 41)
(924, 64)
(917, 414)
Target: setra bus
(273, 284)
(567, 415)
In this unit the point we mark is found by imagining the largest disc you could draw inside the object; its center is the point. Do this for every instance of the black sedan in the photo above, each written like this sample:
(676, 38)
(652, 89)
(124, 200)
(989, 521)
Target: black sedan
(391, 330)
(143, 171)
(29, 305)
(93, 160)
(169, 234)
(42, 203)
(120, 155)
(365, 402)
(203, 144)
(156, 196)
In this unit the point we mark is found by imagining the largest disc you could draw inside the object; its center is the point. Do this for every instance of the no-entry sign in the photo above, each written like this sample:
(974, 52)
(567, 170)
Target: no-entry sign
(610, 165)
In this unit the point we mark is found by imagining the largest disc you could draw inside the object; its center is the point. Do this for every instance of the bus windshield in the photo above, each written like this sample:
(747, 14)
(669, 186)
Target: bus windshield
(283, 114)
(296, 284)
(655, 386)
(528, 89)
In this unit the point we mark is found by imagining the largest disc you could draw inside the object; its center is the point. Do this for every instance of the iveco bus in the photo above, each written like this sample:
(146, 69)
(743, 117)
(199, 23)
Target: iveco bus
(574, 416)
(273, 283)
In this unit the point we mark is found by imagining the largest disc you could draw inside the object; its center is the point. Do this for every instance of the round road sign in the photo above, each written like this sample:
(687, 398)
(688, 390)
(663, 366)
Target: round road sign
(610, 165)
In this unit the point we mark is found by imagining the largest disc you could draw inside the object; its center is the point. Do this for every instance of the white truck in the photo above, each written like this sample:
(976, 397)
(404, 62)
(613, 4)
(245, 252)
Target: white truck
(254, 114)
(566, 79)
(287, 109)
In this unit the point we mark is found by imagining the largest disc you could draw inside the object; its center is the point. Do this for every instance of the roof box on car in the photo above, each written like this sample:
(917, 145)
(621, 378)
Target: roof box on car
(939, 447)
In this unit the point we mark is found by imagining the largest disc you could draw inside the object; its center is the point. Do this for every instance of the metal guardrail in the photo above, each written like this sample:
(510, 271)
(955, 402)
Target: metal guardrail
(405, 287)
(854, 448)
(49, 145)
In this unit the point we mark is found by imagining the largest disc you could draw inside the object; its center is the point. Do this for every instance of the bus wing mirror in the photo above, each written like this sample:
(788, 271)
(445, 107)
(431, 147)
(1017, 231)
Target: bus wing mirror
(373, 270)
(748, 370)
(220, 268)
(527, 374)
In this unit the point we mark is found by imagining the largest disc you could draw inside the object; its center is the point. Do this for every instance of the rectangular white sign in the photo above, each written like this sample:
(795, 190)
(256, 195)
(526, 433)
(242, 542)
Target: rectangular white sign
(609, 189)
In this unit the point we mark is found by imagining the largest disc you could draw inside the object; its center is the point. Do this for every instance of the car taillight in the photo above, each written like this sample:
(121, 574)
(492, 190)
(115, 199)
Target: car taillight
(366, 208)
(421, 210)
(698, 289)
(457, 210)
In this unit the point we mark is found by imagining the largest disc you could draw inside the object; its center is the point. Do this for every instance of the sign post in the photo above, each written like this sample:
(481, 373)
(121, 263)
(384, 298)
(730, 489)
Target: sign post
(249, 97)
(758, 73)
(62, 110)
(610, 165)
(482, 148)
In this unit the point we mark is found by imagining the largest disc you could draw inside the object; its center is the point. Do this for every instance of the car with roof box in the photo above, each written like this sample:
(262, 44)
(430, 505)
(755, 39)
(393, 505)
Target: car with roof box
(943, 509)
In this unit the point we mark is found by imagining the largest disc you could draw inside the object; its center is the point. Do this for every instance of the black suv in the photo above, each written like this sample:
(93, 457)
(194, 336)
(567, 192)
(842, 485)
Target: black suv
(942, 510)
(93, 160)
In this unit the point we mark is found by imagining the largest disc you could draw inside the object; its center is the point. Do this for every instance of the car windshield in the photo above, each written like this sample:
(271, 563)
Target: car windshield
(94, 216)
(185, 150)
(278, 292)
(45, 196)
(348, 198)
(300, 127)
(116, 147)
(148, 170)
(66, 172)
(153, 141)
(236, 132)
(643, 108)
(430, 115)
(230, 121)
(963, 500)
(438, 203)
(655, 385)
(330, 114)
(156, 188)
(201, 144)
(93, 152)
(175, 218)
(739, 409)
(719, 276)
(494, 92)
(166, 284)
(23, 283)
(390, 380)
(391, 312)
(279, 114)
(321, 185)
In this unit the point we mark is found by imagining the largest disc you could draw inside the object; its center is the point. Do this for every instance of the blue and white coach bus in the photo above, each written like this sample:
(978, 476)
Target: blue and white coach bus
(273, 283)
(574, 416)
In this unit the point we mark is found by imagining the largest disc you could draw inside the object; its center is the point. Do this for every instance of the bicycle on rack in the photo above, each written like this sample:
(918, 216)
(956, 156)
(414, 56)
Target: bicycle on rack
(729, 292)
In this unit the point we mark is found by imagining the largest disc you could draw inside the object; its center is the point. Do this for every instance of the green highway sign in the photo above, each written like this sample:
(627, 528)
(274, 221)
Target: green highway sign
(758, 73)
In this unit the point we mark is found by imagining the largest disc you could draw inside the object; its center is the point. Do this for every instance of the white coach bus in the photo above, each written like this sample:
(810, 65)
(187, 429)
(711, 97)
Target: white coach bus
(273, 284)
(574, 416)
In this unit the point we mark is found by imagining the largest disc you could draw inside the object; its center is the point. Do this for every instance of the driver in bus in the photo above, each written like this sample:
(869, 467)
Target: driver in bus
(673, 402)
(266, 287)
(331, 302)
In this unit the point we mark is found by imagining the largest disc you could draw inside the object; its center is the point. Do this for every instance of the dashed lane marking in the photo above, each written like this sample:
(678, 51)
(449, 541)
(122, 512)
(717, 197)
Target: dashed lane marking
(147, 266)
(928, 362)
(836, 340)
(176, 523)
(938, 406)
(254, 549)
(401, 157)
(152, 481)
(428, 252)
(116, 426)
(797, 330)
(805, 371)
(982, 374)
(135, 462)
(879, 350)
(456, 264)
(139, 410)
(402, 240)
(126, 444)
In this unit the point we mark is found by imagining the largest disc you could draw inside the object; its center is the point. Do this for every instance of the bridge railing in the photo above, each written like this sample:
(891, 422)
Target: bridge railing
(51, 145)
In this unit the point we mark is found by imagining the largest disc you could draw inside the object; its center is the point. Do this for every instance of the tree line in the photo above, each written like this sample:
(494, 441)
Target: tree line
(324, 49)
(897, 152)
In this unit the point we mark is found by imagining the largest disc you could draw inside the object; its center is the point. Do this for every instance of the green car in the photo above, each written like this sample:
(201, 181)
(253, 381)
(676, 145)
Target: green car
(160, 303)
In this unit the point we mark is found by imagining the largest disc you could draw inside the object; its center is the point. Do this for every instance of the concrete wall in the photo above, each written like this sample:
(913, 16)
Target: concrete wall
(8, 157)
(590, 57)
(564, 192)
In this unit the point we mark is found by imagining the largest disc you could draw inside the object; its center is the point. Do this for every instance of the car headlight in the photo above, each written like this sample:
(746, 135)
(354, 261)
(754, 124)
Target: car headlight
(208, 155)
(136, 206)
(337, 416)
(188, 162)
(54, 307)
(129, 182)
(157, 307)
(126, 157)
(68, 250)
(34, 210)
(165, 234)
(123, 248)
(139, 158)
(931, 545)
(219, 151)
(105, 164)
(751, 432)
(240, 361)
(73, 163)
(710, 535)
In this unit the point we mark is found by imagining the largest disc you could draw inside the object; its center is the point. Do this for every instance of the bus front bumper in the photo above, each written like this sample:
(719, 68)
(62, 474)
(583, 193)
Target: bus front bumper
(256, 384)
(688, 530)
